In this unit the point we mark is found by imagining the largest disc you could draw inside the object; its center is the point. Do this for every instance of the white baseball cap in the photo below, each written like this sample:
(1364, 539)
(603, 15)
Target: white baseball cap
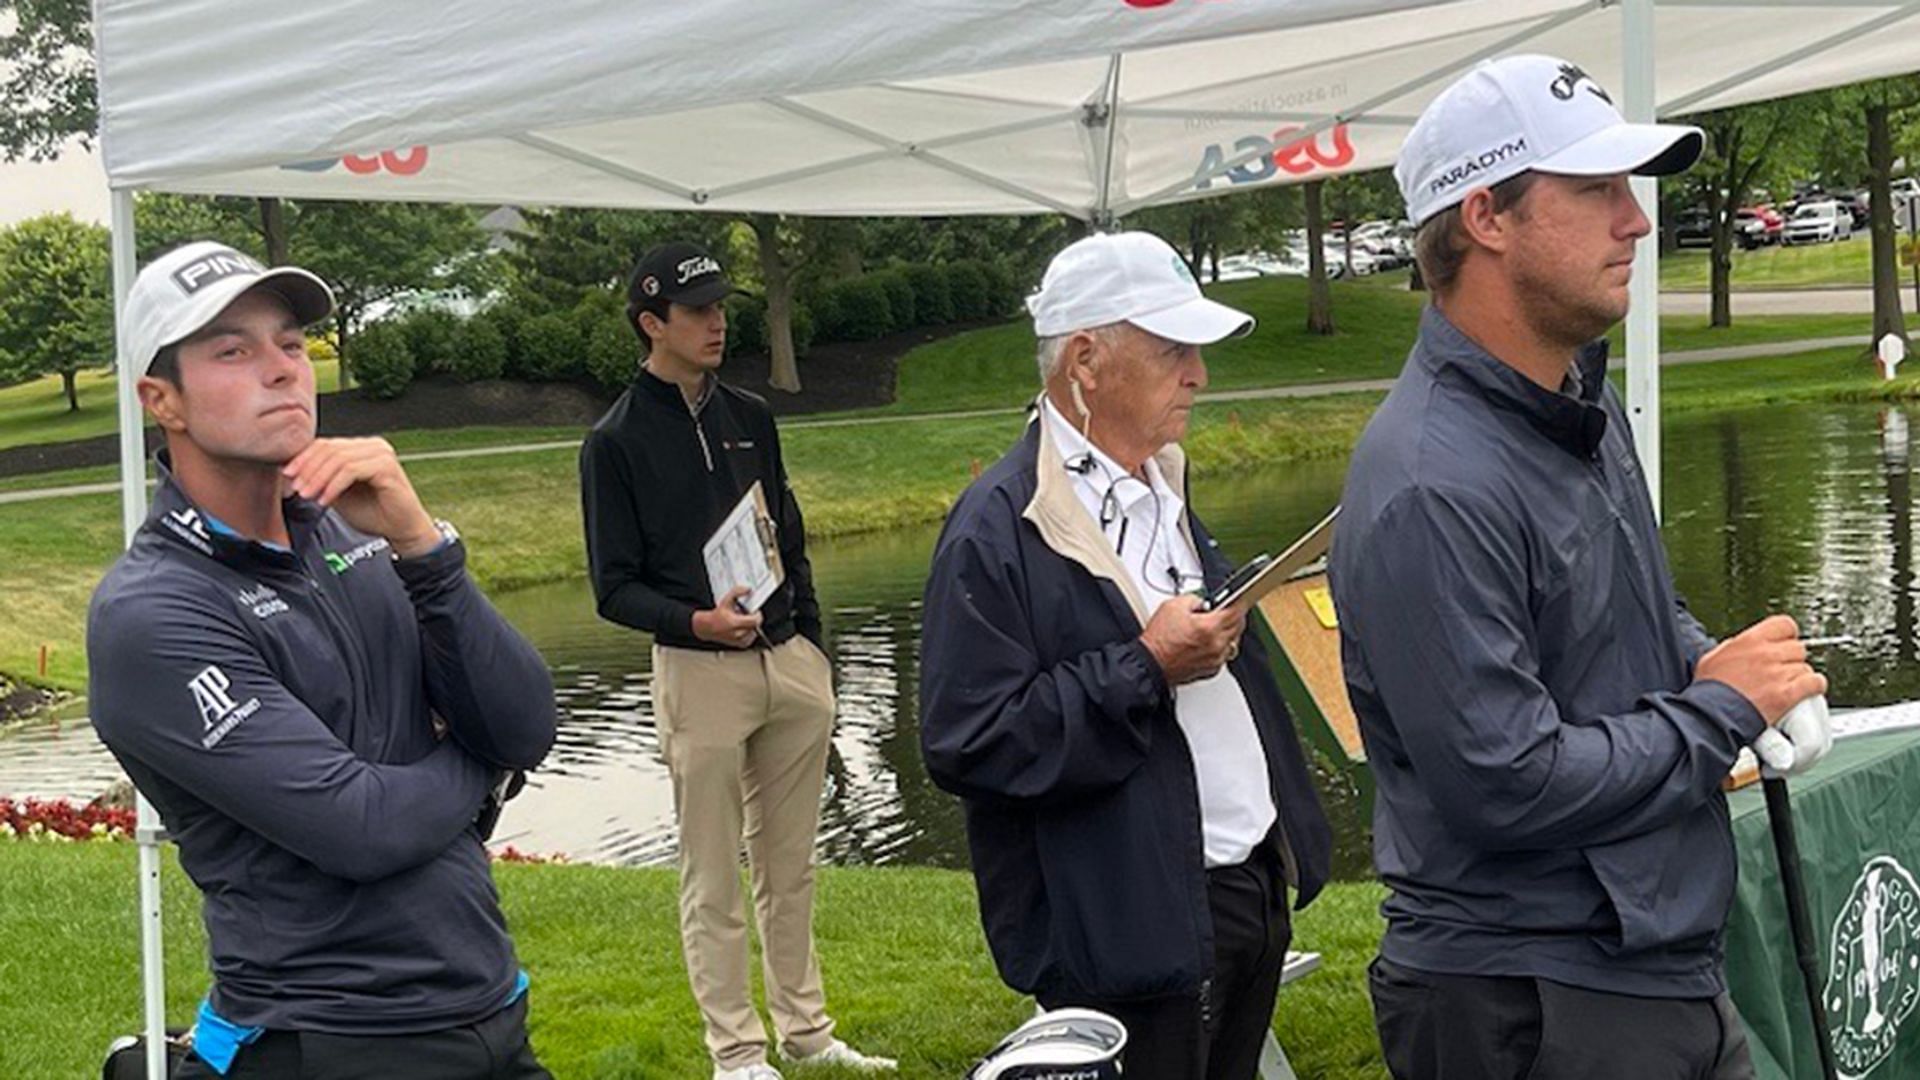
(1131, 277)
(187, 288)
(1528, 113)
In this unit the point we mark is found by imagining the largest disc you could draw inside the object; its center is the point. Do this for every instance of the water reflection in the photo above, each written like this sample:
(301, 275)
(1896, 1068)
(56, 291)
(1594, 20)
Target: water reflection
(1806, 510)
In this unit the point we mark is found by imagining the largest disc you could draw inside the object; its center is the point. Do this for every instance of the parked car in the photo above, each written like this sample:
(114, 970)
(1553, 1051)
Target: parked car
(1757, 226)
(1693, 228)
(1858, 207)
(1819, 223)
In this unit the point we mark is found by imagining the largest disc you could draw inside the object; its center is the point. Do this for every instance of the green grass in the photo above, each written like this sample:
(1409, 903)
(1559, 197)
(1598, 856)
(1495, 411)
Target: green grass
(1685, 333)
(993, 367)
(36, 412)
(906, 967)
(1846, 262)
(521, 513)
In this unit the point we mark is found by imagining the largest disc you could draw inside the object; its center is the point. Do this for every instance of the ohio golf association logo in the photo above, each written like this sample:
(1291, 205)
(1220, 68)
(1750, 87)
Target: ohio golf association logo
(1873, 974)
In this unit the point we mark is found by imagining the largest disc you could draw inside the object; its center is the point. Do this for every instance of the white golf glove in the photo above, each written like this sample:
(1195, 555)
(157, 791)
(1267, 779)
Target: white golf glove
(1797, 742)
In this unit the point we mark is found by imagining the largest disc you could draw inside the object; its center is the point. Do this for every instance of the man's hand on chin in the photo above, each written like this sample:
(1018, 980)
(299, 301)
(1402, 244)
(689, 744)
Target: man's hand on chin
(362, 481)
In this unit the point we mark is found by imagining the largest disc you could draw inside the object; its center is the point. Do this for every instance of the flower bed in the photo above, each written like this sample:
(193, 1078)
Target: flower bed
(60, 821)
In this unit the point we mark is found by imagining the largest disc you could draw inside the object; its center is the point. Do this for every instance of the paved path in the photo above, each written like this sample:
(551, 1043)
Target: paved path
(1785, 302)
(1357, 386)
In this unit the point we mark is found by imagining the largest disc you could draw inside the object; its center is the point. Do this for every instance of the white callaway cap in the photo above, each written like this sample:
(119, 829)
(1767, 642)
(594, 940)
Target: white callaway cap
(1528, 114)
(185, 289)
(1131, 277)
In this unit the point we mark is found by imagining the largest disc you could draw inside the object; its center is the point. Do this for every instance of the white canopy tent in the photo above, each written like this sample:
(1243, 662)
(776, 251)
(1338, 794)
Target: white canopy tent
(1092, 108)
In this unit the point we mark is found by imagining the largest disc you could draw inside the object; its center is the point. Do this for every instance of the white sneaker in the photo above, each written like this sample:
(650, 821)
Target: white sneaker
(759, 1070)
(839, 1053)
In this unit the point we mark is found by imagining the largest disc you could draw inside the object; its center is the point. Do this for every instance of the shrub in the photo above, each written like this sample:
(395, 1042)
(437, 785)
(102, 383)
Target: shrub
(746, 325)
(1004, 294)
(430, 337)
(899, 298)
(932, 299)
(861, 309)
(967, 281)
(381, 359)
(803, 328)
(479, 350)
(611, 351)
(552, 347)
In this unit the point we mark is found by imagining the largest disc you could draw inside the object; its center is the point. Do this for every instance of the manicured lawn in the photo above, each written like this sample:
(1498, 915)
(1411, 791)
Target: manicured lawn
(905, 963)
(1844, 262)
(521, 512)
(36, 412)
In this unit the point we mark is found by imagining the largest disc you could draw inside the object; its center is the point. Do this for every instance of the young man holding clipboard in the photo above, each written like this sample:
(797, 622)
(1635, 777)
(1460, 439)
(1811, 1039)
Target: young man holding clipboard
(743, 691)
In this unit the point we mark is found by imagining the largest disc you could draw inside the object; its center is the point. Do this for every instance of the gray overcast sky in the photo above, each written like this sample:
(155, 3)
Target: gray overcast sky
(73, 182)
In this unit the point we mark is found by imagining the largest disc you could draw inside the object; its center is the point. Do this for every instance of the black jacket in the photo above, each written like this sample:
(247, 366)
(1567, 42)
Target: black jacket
(1548, 774)
(278, 708)
(1044, 712)
(657, 476)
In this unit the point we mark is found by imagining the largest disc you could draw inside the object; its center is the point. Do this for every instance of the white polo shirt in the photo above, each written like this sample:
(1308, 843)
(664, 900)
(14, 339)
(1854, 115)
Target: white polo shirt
(1236, 804)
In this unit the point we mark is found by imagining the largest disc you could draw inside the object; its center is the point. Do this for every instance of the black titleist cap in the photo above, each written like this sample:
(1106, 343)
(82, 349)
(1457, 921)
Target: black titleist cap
(680, 273)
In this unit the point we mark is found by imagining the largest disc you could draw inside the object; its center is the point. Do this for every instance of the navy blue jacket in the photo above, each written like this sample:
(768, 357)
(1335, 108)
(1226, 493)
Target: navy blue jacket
(1548, 774)
(279, 709)
(1044, 712)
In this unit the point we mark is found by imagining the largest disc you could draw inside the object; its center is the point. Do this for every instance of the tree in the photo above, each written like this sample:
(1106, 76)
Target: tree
(1855, 146)
(1319, 293)
(1748, 146)
(369, 253)
(56, 300)
(563, 253)
(47, 57)
(790, 248)
(377, 253)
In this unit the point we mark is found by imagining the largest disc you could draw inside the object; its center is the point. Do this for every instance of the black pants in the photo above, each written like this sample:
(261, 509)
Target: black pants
(492, 1049)
(1472, 1027)
(1215, 1034)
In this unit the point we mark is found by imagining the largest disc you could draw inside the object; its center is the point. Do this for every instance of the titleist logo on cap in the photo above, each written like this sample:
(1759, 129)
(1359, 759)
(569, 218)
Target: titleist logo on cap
(217, 266)
(697, 266)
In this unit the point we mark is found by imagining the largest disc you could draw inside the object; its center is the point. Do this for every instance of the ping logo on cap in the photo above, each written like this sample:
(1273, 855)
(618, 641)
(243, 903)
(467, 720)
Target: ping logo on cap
(216, 266)
(1571, 76)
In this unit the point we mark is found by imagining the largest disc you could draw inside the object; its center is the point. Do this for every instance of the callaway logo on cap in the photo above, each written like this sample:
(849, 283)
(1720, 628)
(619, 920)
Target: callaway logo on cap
(187, 288)
(680, 273)
(1528, 113)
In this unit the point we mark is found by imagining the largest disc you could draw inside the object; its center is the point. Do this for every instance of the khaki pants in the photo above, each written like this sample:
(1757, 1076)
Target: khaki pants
(745, 735)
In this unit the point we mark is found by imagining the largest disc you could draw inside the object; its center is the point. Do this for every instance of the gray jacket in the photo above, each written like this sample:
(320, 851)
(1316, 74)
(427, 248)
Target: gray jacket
(1548, 776)
(279, 709)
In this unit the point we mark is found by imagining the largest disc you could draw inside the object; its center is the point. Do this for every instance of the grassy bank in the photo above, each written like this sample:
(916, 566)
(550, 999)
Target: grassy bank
(906, 967)
(521, 512)
(36, 412)
(1847, 262)
(993, 367)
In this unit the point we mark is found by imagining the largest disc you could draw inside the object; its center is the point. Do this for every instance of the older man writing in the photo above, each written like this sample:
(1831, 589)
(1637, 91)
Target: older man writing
(1137, 800)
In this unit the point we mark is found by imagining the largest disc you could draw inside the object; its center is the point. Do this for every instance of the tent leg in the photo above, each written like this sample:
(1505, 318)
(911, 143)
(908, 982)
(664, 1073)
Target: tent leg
(133, 511)
(1643, 313)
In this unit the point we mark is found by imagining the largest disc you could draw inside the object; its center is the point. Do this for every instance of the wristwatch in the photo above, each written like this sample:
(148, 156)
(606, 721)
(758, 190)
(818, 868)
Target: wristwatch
(448, 537)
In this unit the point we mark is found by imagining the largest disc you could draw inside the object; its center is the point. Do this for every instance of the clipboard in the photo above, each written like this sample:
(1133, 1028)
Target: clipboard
(744, 552)
(1275, 572)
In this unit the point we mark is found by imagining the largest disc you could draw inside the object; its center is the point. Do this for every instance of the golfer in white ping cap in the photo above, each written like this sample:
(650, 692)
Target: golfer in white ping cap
(1547, 726)
(1137, 802)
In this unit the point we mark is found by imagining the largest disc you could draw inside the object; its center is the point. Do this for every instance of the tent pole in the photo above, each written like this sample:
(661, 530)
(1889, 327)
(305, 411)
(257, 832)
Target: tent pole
(133, 511)
(1643, 312)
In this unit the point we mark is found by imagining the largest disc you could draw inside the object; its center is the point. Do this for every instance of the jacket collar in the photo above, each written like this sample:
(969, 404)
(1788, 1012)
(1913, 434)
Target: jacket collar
(1574, 421)
(175, 517)
(1066, 527)
(669, 393)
